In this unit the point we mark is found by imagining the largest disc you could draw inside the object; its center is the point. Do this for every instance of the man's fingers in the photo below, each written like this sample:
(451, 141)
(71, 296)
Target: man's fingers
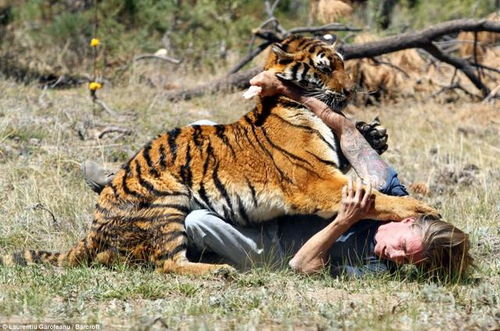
(344, 193)
(349, 187)
(257, 80)
(371, 203)
(262, 79)
(367, 195)
(359, 190)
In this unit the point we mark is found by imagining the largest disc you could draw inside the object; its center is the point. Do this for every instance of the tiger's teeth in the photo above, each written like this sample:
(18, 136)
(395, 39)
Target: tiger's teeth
(252, 92)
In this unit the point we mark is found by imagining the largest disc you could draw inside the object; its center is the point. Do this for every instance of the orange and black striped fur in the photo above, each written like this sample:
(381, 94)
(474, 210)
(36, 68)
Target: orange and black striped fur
(278, 159)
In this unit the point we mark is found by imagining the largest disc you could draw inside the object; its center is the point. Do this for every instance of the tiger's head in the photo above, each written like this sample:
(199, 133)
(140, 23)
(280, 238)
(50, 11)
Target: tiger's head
(313, 65)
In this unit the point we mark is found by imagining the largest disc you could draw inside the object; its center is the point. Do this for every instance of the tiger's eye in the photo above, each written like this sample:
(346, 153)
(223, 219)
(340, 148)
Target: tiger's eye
(325, 69)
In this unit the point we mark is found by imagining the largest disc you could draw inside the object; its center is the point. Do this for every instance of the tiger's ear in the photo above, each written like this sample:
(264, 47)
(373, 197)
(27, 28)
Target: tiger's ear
(280, 52)
(330, 39)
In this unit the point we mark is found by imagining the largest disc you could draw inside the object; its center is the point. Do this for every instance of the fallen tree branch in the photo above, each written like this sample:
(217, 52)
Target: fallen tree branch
(324, 28)
(419, 39)
(234, 81)
(11, 68)
(461, 64)
(423, 39)
(485, 67)
(249, 57)
(416, 39)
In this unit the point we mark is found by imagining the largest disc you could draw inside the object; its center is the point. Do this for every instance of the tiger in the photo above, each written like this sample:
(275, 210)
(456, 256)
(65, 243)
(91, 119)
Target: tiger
(278, 159)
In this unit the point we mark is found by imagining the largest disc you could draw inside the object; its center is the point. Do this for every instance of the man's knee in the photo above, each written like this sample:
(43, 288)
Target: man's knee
(200, 223)
(195, 223)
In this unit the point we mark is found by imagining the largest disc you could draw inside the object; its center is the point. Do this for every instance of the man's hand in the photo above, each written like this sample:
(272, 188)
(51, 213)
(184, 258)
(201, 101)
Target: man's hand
(271, 85)
(356, 203)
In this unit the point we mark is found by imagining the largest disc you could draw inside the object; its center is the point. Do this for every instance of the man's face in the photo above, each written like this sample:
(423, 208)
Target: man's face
(399, 242)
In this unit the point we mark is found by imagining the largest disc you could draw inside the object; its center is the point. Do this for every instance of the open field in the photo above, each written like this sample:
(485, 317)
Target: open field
(452, 148)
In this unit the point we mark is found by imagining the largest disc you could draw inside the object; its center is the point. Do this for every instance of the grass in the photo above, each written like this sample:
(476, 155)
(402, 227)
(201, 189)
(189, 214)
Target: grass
(40, 151)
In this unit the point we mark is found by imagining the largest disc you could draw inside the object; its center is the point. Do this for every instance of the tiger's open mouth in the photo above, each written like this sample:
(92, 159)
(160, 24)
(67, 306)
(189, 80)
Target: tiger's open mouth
(335, 100)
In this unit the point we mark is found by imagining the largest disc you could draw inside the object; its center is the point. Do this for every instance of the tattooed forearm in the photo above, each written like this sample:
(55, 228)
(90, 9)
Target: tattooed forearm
(365, 161)
(362, 157)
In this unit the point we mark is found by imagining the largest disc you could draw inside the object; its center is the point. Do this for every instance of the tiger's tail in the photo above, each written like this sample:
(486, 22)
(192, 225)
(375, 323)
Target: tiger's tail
(81, 254)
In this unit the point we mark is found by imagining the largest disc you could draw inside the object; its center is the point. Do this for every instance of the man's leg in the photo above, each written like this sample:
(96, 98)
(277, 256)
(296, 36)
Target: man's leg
(241, 247)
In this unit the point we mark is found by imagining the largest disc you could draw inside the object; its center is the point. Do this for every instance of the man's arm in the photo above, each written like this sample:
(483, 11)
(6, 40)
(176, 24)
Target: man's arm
(313, 255)
(365, 161)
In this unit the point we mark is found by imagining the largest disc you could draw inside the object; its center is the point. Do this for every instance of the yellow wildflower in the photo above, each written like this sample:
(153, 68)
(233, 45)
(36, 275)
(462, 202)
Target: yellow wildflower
(95, 42)
(94, 86)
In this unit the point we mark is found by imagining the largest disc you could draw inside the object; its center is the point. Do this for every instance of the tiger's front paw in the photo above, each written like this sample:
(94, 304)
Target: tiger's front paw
(375, 134)
(416, 208)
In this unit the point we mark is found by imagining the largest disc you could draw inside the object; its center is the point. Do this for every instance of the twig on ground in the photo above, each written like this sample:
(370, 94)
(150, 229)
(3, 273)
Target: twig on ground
(41, 206)
(493, 95)
(41, 99)
(158, 57)
(453, 76)
(454, 86)
(121, 70)
(111, 129)
(389, 64)
(159, 321)
(104, 106)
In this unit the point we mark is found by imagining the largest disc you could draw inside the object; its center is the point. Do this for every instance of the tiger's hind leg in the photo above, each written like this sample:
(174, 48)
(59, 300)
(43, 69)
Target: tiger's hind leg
(169, 251)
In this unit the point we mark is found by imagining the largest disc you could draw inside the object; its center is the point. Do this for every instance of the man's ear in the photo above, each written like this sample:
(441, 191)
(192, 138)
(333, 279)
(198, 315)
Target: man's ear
(280, 52)
(408, 220)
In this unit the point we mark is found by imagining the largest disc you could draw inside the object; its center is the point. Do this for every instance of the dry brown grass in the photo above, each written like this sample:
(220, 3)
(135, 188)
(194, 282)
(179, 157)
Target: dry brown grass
(395, 74)
(329, 11)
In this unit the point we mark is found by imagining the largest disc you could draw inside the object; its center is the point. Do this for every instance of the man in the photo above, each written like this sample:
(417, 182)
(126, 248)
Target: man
(346, 244)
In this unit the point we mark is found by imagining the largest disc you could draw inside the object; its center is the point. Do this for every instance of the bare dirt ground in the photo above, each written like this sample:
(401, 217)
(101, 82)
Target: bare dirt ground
(446, 152)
